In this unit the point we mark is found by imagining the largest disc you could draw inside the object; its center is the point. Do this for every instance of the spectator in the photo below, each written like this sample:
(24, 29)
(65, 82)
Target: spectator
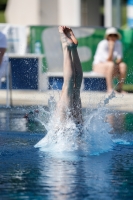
(108, 59)
(3, 57)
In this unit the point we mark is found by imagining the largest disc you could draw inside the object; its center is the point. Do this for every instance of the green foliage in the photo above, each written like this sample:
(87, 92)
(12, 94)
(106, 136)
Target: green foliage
(3, 5)
(2, 17)
(2, 9)
(124, 15)
(128, 87)
(3, 1)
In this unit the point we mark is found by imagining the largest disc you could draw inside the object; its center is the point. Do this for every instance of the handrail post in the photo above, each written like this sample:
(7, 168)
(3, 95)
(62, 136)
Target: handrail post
(7, 86)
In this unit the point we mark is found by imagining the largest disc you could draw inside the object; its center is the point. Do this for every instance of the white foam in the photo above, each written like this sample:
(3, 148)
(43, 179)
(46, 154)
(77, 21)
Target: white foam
(67, 137)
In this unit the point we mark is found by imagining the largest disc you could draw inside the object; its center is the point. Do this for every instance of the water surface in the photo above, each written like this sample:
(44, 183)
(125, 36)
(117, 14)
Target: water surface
(28, 173)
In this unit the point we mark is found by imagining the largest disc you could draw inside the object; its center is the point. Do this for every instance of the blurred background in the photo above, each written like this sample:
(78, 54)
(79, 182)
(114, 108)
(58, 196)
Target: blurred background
(71, 12)
(33, 41)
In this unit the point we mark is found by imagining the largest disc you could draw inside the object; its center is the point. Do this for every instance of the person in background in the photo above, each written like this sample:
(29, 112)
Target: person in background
(108, 59)
(3, 57)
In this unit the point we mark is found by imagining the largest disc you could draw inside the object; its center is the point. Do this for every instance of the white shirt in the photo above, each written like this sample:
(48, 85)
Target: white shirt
(101, 54)
(3, 41)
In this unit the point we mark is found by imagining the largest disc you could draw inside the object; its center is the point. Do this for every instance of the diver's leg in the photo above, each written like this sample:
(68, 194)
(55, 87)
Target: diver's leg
(66, 100)
(77, 108)
(78, 75)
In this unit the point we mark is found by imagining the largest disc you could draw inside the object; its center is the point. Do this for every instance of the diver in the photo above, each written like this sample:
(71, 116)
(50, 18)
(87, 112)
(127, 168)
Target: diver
(69, 105)
(70, 101)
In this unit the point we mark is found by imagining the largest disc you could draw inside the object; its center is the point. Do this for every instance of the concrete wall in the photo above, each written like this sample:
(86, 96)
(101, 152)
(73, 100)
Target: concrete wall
(54, 12)
(90, 13)
(25, 12)
(49, 12)
(69, 12)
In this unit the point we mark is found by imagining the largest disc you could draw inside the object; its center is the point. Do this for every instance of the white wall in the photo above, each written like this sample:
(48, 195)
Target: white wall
(53, 12)
(49, 12)
(69, 12)
(23, 12)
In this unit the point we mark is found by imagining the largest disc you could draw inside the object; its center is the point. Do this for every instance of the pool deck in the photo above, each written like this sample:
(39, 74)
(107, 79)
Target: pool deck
(121, 102)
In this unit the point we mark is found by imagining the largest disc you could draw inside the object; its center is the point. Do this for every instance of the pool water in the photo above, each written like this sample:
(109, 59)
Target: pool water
(28, 173)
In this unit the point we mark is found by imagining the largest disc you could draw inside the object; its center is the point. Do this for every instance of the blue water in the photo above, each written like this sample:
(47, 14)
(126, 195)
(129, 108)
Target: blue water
(27, 172)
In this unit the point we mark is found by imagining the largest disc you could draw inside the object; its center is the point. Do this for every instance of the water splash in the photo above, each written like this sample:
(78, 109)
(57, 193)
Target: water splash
(107, 99)
(92, 137)
(110, 96)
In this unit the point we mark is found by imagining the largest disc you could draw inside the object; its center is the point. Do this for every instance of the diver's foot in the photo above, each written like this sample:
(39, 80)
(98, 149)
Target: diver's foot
(65, 40)
(68, 31)
(67, 37)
